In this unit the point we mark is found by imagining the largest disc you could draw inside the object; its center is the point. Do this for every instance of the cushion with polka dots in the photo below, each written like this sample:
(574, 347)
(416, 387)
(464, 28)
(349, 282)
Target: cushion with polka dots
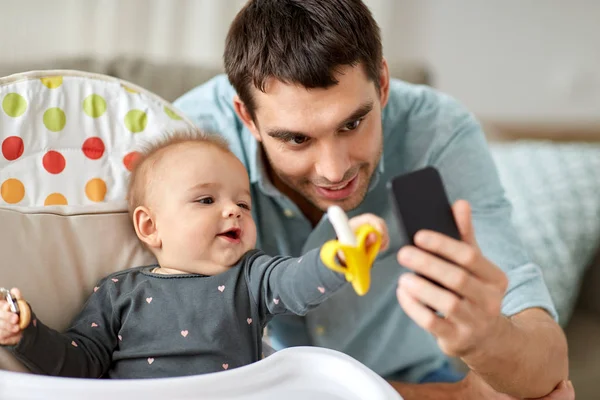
(69, 138)
(68, 141)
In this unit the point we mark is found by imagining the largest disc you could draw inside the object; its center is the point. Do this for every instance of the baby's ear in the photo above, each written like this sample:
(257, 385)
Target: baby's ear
(145, 227)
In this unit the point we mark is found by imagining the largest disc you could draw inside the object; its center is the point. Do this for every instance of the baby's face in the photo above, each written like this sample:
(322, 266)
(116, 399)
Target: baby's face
(200, 198)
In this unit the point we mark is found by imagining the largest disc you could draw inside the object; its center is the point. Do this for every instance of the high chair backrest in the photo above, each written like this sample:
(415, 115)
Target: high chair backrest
(68, 140)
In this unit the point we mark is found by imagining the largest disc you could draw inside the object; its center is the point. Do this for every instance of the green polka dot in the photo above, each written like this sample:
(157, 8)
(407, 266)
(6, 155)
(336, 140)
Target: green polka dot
(171, 113)
(55, 119)
(14, 105)
(136, 120)
(94, 105)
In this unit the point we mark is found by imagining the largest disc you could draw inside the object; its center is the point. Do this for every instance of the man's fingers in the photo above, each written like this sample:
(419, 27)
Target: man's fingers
(451, 276)
(460, 253)
(423, 316)
(462, 215)
(436, 297)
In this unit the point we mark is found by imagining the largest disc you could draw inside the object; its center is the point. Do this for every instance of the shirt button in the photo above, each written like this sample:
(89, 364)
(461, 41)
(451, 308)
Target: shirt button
(288, 213)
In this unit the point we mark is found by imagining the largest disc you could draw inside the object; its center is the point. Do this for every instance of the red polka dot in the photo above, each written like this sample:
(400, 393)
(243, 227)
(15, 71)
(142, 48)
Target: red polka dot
(54, 162)
(12, 148)
(93, 148)
(130, 159)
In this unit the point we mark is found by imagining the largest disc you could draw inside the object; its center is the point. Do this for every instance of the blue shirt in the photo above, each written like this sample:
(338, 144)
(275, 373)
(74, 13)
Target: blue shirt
(421, 127)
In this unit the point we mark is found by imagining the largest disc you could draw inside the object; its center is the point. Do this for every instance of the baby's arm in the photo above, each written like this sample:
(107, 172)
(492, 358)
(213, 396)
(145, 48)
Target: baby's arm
(84, 351)
(296, 285)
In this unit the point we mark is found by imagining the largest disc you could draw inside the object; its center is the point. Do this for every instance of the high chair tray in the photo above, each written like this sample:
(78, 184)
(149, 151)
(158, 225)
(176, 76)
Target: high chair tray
(291, 374)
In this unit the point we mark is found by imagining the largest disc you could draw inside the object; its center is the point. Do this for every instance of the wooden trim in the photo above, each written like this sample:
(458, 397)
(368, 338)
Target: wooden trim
(560, 132)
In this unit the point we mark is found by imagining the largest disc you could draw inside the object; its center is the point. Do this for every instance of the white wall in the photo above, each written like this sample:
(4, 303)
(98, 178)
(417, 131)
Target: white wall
(515, 60)
(512, 60)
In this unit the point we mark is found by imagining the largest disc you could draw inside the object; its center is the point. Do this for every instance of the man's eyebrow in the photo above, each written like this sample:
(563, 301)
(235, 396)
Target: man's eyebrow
(359, 113)
(286, 135)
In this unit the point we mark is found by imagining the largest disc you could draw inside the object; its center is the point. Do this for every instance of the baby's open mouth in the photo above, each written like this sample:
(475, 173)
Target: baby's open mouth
(233, 234)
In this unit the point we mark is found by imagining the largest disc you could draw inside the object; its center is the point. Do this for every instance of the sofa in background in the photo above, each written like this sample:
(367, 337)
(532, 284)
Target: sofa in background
(583, 329)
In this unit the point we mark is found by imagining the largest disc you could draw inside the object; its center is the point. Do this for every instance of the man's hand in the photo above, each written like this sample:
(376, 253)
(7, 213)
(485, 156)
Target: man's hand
(507, 353)
(564, 391)
(472, 387)
(472, 304)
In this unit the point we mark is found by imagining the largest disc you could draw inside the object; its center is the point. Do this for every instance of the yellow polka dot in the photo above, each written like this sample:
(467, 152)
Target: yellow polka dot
(52, 82)
(55, 199)
(95, 189)
(320, 330)
(94, 105)
(130, 90)
(14, 105)
(55, 119)
(136, 120)
(172, 114)
(12, 191)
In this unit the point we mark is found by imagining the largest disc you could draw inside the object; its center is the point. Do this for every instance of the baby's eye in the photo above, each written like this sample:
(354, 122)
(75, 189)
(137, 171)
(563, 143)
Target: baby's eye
(206, 200)
(244, 206)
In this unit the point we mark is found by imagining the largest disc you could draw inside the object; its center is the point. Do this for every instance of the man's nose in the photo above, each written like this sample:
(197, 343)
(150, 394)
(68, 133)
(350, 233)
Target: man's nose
(332, 163)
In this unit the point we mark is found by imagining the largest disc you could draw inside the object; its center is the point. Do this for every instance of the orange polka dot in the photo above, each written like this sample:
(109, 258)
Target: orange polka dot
(12, 191)
(12, 148)
(55, 199)
(130, 159)
(93, 148)
(54, 162)
(95, 189)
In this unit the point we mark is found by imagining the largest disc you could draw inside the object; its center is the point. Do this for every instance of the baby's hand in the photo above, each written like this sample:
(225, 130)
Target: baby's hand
(375, 222)
(10, 333)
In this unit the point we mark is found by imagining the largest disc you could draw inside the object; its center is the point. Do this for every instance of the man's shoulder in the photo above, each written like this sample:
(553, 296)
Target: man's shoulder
(210, 104)
(417, 102)
(421, 118)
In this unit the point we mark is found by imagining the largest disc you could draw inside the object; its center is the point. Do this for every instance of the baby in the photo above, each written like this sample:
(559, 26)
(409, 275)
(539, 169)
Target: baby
(204, 306)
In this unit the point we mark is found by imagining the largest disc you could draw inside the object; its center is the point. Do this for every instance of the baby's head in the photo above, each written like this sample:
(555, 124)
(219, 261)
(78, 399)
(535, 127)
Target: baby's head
(189, 199)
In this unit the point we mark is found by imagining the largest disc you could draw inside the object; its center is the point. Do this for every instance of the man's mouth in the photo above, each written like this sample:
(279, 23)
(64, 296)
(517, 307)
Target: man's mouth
(233, 235)
(339, 191)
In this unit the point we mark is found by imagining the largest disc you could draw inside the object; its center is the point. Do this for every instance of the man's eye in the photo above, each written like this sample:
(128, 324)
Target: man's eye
(350, 126)
(298, 139)
(205, 200)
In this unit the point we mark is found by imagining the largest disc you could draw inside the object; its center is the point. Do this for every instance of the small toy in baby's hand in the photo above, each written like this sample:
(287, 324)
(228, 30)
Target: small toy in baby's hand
(17, 306)
(358, 258)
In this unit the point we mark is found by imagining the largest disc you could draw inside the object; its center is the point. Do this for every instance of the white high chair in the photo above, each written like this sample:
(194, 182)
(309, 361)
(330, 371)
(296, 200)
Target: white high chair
(67, 141)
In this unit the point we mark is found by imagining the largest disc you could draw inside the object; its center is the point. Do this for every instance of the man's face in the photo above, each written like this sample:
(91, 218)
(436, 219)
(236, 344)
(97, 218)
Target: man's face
(323, 144)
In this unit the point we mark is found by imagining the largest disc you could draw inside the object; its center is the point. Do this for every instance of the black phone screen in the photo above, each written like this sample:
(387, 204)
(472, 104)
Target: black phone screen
(420, 202)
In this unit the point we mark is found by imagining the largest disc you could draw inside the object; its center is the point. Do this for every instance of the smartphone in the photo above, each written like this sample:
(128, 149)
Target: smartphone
(419, 201)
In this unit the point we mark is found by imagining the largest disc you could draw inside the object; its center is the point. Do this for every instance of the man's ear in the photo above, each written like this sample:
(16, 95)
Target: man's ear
(384, 83)
(145, 227)
(242, 111)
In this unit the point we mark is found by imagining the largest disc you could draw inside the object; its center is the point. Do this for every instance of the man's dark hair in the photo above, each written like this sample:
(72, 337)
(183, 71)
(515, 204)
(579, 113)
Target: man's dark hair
(301, 42)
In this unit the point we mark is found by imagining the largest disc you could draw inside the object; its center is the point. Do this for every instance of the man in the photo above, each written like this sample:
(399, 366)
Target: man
(309, 107)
